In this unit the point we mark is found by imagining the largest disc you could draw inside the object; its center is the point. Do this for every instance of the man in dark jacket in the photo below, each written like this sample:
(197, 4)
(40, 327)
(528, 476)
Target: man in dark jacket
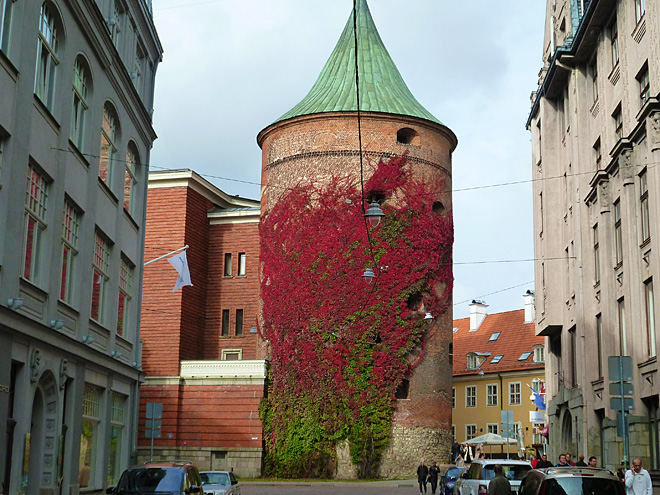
(499, 485)
(422, 475)
(434, 470)
(544, 462)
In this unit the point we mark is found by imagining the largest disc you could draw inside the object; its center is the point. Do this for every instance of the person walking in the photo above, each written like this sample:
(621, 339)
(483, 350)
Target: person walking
(593, 462)
(544, 462)
(580, 462)
(499, 485)
(434, 471)
(562, 461)
(422, 476)
(638, 480)
(469, 453)
(455, 450)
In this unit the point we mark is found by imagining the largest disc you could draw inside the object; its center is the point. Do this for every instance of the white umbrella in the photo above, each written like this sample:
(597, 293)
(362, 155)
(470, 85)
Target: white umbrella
(491, 439)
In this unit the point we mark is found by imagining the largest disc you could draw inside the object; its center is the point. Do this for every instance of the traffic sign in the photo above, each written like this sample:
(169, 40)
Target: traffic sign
(154, 410)
(616, 405)
(615, 389)
(620, 368)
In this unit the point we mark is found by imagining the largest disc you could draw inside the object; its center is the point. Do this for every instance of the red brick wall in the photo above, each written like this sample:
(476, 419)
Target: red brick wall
(232, 293)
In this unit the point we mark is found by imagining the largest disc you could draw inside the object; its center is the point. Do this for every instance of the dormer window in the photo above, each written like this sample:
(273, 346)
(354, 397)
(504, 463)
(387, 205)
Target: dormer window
(539, 354)
(472, 362)
(524, 356)
(494, 336)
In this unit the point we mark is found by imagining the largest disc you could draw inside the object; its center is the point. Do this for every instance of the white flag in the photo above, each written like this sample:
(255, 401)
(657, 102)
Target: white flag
(180, 264)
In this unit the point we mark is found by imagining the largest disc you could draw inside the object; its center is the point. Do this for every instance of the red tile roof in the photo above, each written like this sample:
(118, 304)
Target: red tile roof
(516, 337)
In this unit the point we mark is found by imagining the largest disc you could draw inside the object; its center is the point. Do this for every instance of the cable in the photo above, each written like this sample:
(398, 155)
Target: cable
(491, 293)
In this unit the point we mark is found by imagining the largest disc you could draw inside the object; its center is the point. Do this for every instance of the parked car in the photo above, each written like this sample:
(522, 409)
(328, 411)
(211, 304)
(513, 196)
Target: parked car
(476, 479)
(448, 479)
(220, 483)
(573, 480)
(163, 478)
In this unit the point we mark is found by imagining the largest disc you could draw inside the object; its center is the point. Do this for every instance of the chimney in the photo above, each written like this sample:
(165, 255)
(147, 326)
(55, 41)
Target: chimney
(528, 297)
(478, 311)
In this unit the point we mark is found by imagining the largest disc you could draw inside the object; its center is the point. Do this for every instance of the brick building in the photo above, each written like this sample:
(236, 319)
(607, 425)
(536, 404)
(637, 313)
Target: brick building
(201, 351)
(319, 138)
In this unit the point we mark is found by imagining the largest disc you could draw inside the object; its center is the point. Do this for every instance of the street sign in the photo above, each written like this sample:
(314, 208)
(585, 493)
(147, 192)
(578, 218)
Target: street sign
(615, 389)
(616, 405)
(620, 368)
(153, 424)
(154, 410)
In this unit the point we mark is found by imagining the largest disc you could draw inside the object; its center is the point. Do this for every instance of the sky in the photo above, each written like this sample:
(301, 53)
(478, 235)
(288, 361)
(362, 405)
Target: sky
(230, 68)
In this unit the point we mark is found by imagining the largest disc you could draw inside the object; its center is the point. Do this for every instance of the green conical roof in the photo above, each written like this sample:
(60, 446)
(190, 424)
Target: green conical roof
(382, 89)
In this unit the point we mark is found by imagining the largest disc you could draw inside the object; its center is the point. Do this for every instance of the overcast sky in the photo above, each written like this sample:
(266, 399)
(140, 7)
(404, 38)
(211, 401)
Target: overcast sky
(231, 68)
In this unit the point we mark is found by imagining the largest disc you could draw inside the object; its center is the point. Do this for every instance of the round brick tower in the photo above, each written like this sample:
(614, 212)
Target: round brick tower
(319, 138)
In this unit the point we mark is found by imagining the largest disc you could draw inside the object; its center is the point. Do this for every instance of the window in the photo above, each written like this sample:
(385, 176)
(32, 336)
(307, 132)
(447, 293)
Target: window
(524, 356)
(227, 265)
(232, 354)
(640, 8)
(537, 438)
(644, 206)
(573, 342)
(90, 434)
(241, 264)
(47, 61)
(239, 322)
(453, 398)
(623, 347)
(493, 428)
(614, 43)
(496, 359)
(618, 238)
(5, 24)
(644, 86)
(130, 182)
(115, 25)
(108, 147)
(81, 81)
(471, 396)
(593, 71)
(453, 431)
(470, 431)
(599, 344)
(225, 323)
(494, 336)
(598, 154)
(492, 394)
(514, 394)
(70, 228)
(472, 362)
(116, 437)
(539, 354)
(596, 255)
(36, 196)
(125, 292)
(538, 385)
(100, 279)
(402, 390)
(650, 317)
(618, 123)
(138, 66)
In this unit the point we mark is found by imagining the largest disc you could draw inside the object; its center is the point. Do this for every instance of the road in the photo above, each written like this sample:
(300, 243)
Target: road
(331, 488)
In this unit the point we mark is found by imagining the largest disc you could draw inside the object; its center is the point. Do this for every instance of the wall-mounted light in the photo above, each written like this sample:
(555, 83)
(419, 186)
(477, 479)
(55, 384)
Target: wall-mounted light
(137, 365)
(111, 21)
(116, 354)
(374, 214)
(87, 339)
(428, 317)
(253, 330)
(56, 324)
(14, 303)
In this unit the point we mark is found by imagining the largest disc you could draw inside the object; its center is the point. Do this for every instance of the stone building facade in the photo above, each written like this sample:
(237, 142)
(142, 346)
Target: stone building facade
(319, 138)
(76, 86)
(595, 150)
(201, 352)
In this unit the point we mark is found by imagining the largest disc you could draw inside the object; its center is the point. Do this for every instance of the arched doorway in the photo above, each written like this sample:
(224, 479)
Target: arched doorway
(42, 453)
(566, 441)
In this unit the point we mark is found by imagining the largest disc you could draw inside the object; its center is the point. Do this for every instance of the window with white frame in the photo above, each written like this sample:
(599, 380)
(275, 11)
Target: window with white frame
(117, 20)
(47, 60)
(36, 196)
(538, 385)
(524, 356)
(81, 82)
(5, 24)
(650, 317)
(241, 264)
(453, 398)
(618, 235)
(91, 436)
(232, 354)
(640, 9)
(116, 438)
(130, 181)
(70, 229)
(493, 428)
(108, 144)
(496, 359)
(471, 396)
(472, 361)
(101, 269)
(492, 394)
(539, 354)
(125, 294)
(537, 438)
(515, 394)
(470, 431)
(644, 206)
(644, 85)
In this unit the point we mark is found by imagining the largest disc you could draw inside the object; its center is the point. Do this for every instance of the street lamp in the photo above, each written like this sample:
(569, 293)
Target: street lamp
(369, 275)
(374, 214)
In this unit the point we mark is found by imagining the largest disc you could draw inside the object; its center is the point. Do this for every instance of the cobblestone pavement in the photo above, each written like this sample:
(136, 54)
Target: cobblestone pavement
(331, 488)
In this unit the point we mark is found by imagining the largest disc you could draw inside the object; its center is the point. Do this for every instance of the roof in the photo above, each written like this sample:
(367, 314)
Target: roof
(516, 337)
(382, 89)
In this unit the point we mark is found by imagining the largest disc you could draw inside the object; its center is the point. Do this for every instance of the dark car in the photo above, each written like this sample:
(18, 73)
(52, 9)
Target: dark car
(162, 478)
(448, 479)
(573, 480)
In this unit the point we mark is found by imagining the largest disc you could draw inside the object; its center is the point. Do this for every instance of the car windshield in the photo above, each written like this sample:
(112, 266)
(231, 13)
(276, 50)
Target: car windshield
(514, 472)
(214, 478)
(453, 473)
(151, 480)
(581, 486)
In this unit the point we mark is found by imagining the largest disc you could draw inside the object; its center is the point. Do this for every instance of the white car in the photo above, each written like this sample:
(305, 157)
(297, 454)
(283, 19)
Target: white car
(475, 479)
(219, 483)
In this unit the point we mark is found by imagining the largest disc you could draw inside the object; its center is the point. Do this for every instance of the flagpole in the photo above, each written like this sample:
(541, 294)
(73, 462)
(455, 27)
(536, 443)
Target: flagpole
(166, 255)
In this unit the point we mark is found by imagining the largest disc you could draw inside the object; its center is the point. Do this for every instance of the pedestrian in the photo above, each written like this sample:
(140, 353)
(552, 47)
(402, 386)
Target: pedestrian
(459, 461)
(593, 462)
(469, 454)
(535, 461)
(499, 485)
(422, 476)
(568, 459)
(434, 470)
(544, 462)
(479, 451)
(621, 472)
(562, 461)
(638, 480)
(455, 450)
(580, 461)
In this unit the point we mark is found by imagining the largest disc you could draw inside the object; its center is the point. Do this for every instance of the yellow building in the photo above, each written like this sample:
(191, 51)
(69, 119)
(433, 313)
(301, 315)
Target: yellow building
(497, 361)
